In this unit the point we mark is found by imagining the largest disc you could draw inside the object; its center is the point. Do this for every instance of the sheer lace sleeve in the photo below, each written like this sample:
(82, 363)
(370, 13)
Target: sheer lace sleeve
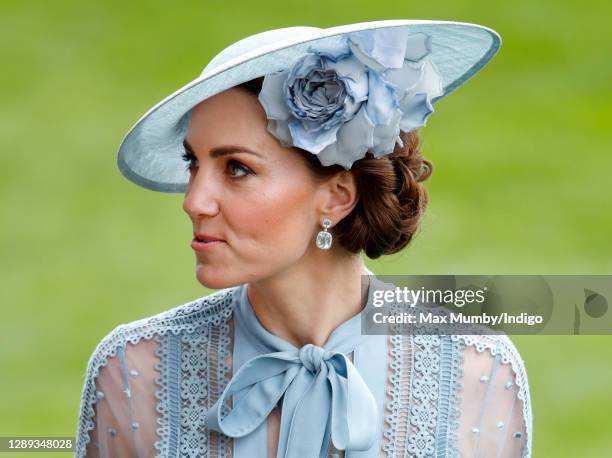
(149, 382)
(118, 405)
(494, 406)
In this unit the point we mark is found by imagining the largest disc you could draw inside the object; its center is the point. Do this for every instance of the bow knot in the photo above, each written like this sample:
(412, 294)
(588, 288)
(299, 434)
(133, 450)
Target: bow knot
(322, 391)
(312, 356)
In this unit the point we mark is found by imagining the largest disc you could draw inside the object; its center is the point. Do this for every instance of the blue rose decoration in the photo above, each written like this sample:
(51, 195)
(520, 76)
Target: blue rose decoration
(353, 95)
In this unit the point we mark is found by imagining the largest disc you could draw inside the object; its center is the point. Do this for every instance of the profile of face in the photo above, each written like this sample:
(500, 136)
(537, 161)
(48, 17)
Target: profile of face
(254, 194)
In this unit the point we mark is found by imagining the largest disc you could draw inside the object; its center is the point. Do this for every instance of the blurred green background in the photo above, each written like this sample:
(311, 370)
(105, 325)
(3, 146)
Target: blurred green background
(521, 183)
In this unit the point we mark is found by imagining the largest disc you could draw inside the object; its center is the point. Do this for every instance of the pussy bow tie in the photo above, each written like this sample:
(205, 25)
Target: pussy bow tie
(323, 393)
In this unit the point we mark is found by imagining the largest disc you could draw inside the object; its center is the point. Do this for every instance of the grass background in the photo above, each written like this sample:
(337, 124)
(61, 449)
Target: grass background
(521, 183)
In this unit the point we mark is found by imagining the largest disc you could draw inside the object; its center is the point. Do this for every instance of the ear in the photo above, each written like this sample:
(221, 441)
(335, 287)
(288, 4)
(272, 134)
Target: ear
(338, 196)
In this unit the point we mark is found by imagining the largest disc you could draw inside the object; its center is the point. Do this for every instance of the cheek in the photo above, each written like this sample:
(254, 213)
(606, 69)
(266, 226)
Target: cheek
(276, 217)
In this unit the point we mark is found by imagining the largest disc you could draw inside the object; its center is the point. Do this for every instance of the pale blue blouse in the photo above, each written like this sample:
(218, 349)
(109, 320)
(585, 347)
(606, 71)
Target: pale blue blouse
(201, 379)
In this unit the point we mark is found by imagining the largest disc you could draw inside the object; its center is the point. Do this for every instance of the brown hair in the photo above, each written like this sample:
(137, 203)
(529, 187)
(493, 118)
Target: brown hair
(391, 198)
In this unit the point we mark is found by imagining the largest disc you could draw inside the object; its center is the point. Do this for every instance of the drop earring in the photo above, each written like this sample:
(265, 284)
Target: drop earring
(324, 238)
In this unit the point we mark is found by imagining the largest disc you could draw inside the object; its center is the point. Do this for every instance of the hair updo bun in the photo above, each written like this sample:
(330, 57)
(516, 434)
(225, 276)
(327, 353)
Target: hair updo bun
(391, 198)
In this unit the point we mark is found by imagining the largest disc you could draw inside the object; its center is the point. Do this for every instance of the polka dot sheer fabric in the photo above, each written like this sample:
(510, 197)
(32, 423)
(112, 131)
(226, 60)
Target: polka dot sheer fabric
(149, 385)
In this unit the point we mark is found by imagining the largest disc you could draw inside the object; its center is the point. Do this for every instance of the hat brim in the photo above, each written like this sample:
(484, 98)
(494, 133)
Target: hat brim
(150, 153)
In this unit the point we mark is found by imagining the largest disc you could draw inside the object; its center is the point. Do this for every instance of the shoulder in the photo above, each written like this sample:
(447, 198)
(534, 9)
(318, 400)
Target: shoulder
(495, 347)
(106, 369)
(498, 346)
(494, 361)
(213, 309)
(482, 381)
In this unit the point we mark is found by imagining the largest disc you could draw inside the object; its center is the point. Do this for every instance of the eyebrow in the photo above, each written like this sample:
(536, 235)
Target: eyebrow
(222, 150)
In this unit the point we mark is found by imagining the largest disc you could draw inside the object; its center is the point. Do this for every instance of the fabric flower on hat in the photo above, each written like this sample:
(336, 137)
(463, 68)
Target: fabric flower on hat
(353, 95)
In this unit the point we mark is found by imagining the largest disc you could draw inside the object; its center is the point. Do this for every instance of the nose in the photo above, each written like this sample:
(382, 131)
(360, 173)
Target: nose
(201, 197)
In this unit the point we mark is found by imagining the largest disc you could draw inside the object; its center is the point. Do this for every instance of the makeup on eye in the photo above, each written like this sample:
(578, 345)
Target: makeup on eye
(190, 158)
(240, 165)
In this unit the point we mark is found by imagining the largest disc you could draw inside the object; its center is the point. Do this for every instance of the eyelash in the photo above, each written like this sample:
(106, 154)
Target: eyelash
(190, 159)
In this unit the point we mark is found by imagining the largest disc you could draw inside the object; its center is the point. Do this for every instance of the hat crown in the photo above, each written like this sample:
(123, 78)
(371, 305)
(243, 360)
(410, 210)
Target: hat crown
(254, 42)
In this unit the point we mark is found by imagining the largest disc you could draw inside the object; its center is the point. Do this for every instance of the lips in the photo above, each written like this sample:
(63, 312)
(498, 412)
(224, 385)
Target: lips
(204, 243)
(206, 238)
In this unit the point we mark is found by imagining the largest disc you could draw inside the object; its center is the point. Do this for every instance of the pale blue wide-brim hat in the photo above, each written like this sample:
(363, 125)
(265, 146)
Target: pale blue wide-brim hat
(150, 153)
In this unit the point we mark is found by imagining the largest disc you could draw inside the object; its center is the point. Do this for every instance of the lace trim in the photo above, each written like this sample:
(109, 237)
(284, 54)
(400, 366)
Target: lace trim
(397, 393)
(194, 394)
(448, 408)
(456, 388)
(412, 408)
(214, 309)
(502, 345)
(424, 395)
(167, 407)
(403, 409)
(219, 374)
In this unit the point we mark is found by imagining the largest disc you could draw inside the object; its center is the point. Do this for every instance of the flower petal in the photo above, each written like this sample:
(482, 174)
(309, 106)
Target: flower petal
(404, 78)
(333, 48)
(272, 97)
(355, 138)
(382, 99)
(280, 130)
(357, 89)
(328, 155)
(387, 135)
(346, 68)
(419, 108)
(384, 48)
(301, 69)
(353, 74)
(429, 83)
(313, 141)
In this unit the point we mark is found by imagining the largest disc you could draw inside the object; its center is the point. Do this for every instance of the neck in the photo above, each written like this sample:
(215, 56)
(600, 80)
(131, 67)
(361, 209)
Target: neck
(304, 303)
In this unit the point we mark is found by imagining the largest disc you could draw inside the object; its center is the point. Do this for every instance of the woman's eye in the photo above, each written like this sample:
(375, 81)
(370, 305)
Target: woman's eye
(237, 169)
(190, 159)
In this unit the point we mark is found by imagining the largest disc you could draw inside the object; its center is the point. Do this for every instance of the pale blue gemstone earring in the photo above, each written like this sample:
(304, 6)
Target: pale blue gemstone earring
(324, 238)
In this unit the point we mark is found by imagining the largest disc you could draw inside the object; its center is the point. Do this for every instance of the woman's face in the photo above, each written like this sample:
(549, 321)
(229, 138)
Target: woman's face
(247, 190)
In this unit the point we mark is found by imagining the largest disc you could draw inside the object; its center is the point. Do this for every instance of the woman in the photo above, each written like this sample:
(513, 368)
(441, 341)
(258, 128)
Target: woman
(302, 152)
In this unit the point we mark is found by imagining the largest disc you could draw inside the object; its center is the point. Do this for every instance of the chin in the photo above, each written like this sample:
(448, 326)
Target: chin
(214, 278)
